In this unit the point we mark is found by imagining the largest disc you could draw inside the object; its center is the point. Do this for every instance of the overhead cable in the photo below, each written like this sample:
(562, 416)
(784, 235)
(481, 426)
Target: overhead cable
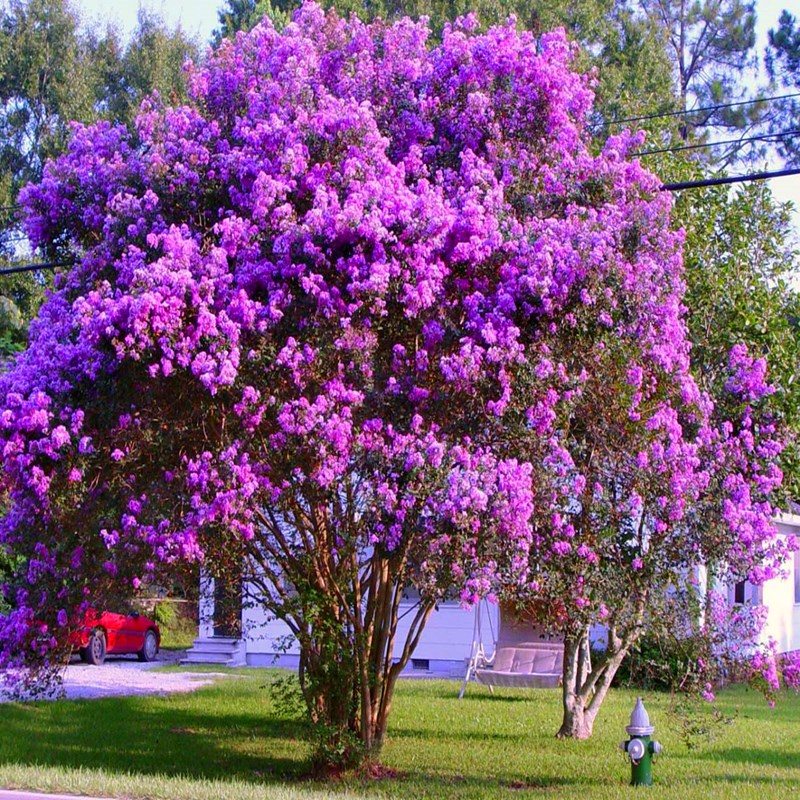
(760, 137)
(728, 179)
(701, 110)
(33, 267)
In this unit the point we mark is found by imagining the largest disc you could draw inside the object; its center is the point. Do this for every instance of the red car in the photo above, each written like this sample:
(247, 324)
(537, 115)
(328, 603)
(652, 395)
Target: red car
(101, 634)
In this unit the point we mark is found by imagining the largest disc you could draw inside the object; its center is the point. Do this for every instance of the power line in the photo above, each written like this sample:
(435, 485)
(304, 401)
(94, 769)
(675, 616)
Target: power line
(753, 176)
(701, 110)
(700, 145)
(33, 267)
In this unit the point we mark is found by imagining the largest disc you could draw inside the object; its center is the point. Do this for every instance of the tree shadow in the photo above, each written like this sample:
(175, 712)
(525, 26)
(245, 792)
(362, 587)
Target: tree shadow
(495, 698)
(172, 736)
(468, 786)
(135, 734)
(454, 736)
(756, 757)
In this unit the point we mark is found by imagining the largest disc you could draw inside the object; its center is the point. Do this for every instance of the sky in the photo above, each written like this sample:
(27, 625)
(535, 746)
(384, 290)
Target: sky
(196, 17)
(199, 18)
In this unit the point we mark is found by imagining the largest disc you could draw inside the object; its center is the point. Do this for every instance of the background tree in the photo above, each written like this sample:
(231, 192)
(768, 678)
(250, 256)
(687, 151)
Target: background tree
(44, 83)
(711, 44)
(741, 265)
(244, 15)
(54, 70)
(152, 60)
(783, 65)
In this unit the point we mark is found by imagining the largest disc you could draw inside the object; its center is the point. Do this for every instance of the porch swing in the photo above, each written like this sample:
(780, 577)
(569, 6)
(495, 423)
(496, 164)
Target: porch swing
(524, 655)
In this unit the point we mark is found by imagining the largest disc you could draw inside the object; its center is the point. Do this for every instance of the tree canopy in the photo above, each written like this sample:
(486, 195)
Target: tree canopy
(366, 314)
(634, 71)
(783, 65)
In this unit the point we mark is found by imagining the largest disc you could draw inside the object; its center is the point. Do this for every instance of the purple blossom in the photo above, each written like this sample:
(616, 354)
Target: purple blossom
(375, 288)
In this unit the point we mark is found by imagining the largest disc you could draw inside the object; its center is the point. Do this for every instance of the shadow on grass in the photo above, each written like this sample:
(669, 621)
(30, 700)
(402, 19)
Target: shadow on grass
(218, 740)
(756, 757)
(145, 736)
(452, 735)
(494, 698)
(230, 732)
(416, 784)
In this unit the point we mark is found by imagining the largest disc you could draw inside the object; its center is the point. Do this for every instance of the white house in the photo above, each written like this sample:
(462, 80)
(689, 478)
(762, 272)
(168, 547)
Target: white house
(447, 641)
(443, 649)
(781, 596)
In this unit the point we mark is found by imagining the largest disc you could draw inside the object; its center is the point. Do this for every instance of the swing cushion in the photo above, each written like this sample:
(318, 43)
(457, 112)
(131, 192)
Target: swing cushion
(534, 665)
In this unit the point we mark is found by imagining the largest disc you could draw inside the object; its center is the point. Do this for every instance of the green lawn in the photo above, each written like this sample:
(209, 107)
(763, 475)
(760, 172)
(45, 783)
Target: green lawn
(228, 741)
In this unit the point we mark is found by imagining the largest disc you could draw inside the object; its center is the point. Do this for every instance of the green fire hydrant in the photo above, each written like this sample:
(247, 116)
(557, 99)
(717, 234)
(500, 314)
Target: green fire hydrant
(640, 747)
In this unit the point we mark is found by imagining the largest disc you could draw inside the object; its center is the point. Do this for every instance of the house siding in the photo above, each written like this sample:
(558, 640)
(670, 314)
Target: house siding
(778, 595)
(445, 643)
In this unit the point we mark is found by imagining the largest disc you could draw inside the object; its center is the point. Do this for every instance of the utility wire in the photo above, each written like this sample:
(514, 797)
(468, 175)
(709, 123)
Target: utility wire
(700, 110)
(33, 267)
(752, 176)
(700, 145)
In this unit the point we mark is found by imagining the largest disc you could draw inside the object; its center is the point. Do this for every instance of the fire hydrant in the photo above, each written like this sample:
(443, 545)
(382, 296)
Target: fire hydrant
(640, 747)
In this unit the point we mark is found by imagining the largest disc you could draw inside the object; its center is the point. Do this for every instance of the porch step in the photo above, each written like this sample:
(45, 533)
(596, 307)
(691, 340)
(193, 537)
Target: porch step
(215, 645)
(216, 650)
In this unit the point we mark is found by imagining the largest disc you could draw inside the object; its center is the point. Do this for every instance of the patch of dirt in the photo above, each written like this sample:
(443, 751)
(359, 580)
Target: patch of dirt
(379, 772)
(533, 784)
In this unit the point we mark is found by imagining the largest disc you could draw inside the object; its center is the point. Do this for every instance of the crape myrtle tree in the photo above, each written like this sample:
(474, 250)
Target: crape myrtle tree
(358, 318)
(646, 478)
(644, 484)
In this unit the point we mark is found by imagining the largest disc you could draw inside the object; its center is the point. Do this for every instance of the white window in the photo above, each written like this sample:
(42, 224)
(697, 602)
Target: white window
(744, 593)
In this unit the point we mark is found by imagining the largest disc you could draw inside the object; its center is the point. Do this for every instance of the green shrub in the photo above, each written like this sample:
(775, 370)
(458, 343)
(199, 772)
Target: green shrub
(661, 663)
(164, 614)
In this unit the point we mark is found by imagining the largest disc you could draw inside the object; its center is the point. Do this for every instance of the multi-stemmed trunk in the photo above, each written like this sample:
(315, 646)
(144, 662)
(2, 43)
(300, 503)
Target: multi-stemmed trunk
(350, 663)
(586, 684)
(344, 609)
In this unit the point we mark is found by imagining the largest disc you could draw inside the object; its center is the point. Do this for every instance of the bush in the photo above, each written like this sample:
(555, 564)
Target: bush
(164, 614)
(661, 663)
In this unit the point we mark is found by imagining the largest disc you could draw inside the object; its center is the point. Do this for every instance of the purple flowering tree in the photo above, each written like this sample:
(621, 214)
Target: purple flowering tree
(644, 479)
(366, 315)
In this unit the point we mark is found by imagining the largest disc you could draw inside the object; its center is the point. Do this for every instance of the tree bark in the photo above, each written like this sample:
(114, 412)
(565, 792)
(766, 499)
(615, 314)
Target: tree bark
(585, 685)
(578, 719)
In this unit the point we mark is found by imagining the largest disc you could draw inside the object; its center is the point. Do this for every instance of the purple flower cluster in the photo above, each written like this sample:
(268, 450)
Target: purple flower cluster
(365, 293)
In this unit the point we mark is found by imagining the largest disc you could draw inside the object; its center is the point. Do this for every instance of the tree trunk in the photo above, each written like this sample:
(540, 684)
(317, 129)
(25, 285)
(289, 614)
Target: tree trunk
(585, 685)
(578, 719)
(576, 723)
(349, 671)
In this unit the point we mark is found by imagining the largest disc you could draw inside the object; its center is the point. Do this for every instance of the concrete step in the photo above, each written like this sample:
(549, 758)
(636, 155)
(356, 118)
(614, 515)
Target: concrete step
(216, 650)
(211, 646)
(223, 659)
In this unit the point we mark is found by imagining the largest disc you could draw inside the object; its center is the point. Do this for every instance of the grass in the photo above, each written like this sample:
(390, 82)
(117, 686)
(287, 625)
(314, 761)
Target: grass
(229, 742)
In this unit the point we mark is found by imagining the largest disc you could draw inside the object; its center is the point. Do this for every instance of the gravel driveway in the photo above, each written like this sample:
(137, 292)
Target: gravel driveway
(125, 675)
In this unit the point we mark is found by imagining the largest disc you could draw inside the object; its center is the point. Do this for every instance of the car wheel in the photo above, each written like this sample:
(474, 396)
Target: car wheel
(96, 649)
(149, 649)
